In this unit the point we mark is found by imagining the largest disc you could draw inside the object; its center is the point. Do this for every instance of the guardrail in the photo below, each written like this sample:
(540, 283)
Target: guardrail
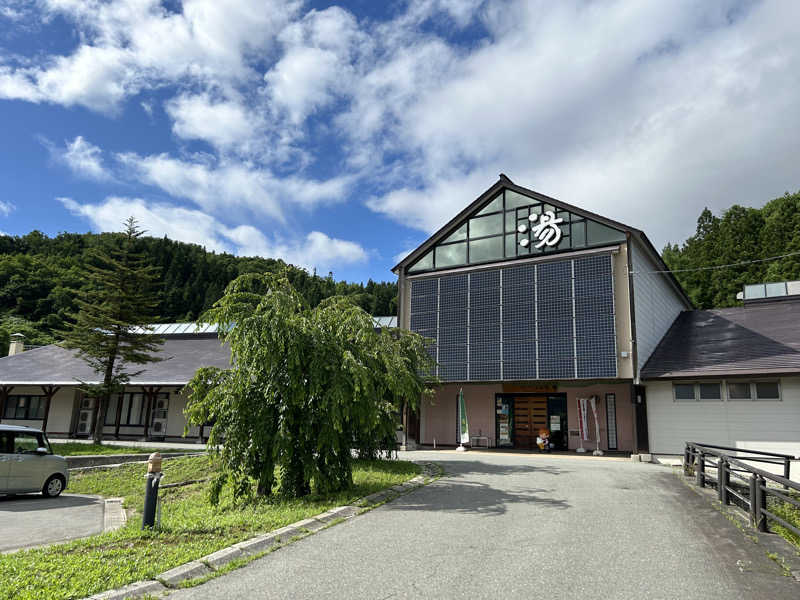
(743, 484)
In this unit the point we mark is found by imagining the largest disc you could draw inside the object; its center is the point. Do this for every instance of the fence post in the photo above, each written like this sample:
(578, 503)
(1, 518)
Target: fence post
(723, 477)
(787, 470)
(701, 469)
(753, 500)
(761, 505)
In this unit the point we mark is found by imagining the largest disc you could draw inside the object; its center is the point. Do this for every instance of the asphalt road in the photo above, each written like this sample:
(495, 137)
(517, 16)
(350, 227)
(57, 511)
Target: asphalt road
(32, 520)
(505, 526)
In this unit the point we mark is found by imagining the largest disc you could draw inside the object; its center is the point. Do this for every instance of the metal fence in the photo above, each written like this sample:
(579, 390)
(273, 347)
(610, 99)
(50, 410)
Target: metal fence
(742, 484)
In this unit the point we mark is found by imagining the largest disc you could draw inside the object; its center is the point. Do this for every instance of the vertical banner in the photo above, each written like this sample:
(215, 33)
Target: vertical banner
(463, 425)
(593, 402)
(583, 423)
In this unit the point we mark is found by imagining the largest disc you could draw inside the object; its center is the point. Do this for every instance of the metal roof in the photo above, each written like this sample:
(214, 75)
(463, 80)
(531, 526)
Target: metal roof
(760, 339)
(54, 365)
(162, 329)
(385, 321)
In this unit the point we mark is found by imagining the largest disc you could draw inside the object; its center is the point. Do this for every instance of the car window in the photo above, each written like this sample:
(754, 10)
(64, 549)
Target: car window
(25, 443)
(5, 442)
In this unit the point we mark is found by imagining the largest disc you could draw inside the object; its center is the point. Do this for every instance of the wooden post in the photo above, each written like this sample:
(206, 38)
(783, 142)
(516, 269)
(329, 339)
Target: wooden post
(5, 391)
(118, 417)
(49, 391)
(701, 469)
(150, 394)
(761, 505)
(723, 477)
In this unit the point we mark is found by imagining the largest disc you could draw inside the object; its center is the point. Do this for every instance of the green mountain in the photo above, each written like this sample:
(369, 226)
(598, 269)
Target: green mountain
(39, 279)
(741, 234)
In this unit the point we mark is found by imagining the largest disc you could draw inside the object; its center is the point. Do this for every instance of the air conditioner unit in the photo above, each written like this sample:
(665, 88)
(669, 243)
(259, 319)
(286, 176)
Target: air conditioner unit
(158, 427)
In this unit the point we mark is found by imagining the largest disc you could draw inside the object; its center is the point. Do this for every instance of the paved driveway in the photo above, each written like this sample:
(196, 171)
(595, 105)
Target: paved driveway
(527, 526)
(32, 520)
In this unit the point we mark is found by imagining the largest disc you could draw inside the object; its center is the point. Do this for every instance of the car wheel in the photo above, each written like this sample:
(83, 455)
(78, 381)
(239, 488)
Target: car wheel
(53, 486)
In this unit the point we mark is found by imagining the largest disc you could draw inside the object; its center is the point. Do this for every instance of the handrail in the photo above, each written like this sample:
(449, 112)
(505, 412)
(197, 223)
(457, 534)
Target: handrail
(694, 457)
(762, 452)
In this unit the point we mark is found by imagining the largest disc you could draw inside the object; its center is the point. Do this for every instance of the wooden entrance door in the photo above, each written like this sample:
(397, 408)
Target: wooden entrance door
(530, 415)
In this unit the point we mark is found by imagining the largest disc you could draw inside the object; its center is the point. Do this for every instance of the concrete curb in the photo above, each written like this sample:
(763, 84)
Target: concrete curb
(112, 461)
(114, 516)
(260, 544)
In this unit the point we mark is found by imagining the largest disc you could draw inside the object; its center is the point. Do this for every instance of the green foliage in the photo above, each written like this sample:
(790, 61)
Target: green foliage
(79, 449)
(789, 513)
(740, 234)
(114, 308)
(38, 276)
(306, 386)
(190, 528)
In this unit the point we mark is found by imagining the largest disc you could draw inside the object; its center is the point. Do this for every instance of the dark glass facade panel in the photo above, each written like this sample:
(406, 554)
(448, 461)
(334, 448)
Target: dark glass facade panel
(552, 320)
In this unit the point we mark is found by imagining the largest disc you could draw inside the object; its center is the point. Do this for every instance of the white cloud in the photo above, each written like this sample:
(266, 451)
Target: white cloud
(6, 208)
(641, 111)
(83, 158)
(233, 186)
(317, 65)
(315, 250)
(631, 110)
(224, 123)
(130, 45)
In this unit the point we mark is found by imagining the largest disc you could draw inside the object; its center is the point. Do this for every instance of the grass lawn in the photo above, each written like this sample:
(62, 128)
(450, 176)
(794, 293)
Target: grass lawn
(191, 528)
(788, 512)
(74, 449)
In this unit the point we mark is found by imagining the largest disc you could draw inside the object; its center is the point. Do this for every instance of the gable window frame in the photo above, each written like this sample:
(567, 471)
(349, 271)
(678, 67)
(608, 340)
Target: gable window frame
(575, 233)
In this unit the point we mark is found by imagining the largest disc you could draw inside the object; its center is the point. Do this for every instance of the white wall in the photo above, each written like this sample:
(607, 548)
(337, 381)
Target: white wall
(656, 302)
(773, 426)
(60, 409)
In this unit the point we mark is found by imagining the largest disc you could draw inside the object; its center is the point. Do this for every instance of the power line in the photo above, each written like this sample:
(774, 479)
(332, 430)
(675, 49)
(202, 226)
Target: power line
(736, 264)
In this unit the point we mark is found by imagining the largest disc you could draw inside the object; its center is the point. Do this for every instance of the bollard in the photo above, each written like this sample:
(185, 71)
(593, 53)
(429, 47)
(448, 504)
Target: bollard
(152, 480)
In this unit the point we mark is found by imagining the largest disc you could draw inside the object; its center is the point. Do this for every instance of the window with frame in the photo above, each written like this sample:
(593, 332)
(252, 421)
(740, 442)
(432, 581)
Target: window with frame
(683, 392)
(26, 407)
(767, 390)
(754, 390)
(709, 392)
(131, 411)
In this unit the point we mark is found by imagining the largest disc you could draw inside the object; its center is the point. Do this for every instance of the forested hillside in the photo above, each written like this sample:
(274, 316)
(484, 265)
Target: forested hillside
(740, 234)
(39, 277)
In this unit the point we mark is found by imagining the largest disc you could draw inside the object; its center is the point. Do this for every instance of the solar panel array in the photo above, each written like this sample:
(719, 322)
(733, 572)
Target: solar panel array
(553, 320)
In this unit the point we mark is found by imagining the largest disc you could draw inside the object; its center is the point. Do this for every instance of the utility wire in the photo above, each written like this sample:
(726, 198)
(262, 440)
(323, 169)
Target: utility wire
(736, 264)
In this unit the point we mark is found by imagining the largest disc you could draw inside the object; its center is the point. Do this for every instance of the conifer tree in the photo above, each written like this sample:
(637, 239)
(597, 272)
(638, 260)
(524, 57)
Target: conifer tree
(110, 328)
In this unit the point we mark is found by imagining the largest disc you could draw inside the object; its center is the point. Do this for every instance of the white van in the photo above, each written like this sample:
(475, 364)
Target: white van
(27, 463)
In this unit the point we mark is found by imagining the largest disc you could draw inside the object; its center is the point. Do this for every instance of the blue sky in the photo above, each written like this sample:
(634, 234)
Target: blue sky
(338, 136)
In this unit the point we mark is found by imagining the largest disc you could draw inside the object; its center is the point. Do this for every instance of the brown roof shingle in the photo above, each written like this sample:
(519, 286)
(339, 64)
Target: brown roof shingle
(760, 339)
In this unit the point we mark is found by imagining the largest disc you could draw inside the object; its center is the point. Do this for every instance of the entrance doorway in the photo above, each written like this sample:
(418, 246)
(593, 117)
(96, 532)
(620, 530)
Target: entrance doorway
(520, 417)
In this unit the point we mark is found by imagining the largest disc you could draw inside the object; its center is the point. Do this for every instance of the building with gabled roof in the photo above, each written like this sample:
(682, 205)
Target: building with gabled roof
(532, 304)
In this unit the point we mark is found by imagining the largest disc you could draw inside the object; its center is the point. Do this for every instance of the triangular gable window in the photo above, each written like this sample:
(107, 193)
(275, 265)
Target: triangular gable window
(513, 225)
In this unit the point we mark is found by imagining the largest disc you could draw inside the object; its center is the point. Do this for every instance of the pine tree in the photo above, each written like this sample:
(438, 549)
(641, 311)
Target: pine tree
(109, 330)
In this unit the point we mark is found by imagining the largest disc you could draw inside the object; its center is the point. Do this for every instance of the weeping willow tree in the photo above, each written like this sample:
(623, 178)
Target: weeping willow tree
(306, 387)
